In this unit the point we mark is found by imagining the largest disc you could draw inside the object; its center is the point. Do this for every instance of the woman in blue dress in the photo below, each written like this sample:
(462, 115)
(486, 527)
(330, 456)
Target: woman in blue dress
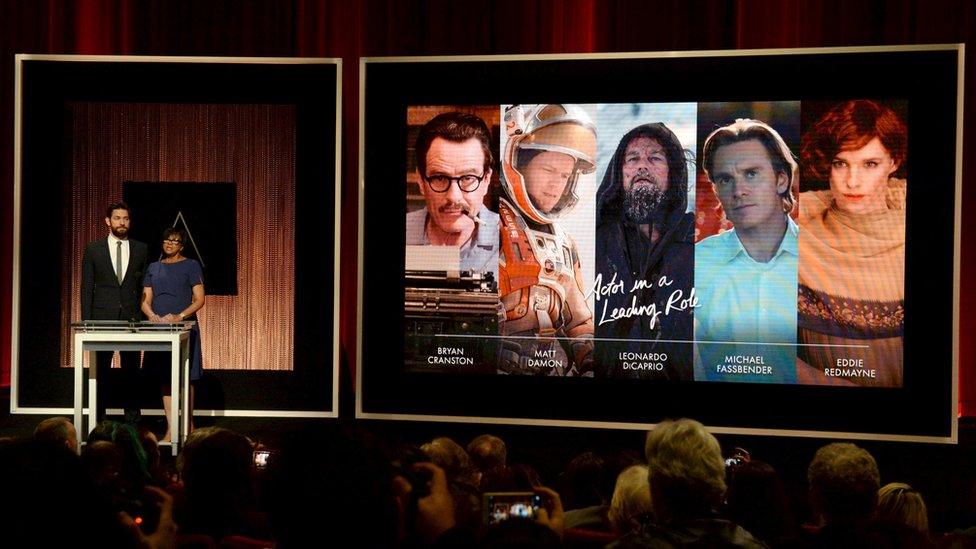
(173, 292)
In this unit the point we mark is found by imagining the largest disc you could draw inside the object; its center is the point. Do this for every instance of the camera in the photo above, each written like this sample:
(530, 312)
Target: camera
(261, 458)
(737, 458)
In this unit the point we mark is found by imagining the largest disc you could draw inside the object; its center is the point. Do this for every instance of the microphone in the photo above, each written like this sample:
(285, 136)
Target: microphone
(470, 215)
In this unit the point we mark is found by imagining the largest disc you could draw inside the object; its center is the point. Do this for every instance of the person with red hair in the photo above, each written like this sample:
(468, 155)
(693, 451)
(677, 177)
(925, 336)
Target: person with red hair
(852, 248)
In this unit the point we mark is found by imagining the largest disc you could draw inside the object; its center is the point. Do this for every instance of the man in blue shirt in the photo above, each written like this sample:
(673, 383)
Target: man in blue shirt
(745, 278)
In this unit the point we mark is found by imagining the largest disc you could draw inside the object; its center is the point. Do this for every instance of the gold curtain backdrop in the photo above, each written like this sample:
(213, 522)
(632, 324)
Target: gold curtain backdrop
(250, 145)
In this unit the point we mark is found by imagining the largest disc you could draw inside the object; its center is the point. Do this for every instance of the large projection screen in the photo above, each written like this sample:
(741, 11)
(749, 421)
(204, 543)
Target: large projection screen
(241, 153)
(766, 241)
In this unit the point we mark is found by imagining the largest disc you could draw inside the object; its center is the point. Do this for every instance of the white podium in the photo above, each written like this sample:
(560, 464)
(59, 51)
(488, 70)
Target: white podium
(113, 335)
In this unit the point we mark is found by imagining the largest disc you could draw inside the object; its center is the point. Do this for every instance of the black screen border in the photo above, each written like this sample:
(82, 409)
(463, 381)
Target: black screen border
(314, 86)
(924, 410)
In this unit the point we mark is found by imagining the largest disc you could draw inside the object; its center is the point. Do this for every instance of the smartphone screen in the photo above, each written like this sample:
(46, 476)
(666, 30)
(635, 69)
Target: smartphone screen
(261, 458)
(499, 506)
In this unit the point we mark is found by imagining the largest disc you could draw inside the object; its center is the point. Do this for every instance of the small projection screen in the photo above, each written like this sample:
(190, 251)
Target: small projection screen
(766, 241)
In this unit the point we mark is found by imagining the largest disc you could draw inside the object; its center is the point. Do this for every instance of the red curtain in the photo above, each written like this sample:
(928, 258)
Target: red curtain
(338, 28)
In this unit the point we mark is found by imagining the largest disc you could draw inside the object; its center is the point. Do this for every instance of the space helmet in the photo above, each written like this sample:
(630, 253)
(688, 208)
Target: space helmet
(565, 129)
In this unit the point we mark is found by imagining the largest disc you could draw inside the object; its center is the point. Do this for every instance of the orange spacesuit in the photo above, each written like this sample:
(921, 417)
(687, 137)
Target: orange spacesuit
(546, 318)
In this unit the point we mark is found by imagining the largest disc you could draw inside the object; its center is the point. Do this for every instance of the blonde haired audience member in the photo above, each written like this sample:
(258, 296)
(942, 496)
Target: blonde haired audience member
(631, 501)
(901, 504)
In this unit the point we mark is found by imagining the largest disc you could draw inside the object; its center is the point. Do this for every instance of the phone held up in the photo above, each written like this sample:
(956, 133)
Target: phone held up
(500, 506)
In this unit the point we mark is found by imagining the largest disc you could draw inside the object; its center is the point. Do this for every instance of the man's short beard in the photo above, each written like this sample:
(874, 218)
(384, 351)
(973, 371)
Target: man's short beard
(117, 230)
(643, 204)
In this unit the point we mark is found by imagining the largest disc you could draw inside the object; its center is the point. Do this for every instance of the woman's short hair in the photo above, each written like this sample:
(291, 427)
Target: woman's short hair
(901, 504)
(849, 126)
(631, 499)
(170, 232)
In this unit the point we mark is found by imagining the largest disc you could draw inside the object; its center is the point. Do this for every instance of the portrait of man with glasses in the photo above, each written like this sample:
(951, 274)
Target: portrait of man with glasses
(454, 168)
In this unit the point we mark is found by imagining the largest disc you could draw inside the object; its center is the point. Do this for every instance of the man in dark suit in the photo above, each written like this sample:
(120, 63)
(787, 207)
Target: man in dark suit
(111, 288)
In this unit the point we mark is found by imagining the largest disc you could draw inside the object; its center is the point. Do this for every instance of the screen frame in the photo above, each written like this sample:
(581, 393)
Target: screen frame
(949, 435)
(328, 406)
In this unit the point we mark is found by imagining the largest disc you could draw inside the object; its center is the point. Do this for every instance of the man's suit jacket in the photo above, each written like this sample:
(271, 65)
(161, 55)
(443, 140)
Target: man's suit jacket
(102, 297)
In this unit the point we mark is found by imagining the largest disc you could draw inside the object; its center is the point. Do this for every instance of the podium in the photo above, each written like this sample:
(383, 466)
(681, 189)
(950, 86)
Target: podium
(115, 335)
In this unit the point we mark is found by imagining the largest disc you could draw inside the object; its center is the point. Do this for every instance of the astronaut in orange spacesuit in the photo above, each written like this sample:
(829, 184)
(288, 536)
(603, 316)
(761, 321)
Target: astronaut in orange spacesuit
(547, 321)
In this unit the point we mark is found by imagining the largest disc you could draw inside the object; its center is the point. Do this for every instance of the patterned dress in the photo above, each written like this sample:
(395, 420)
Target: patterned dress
(851, 295)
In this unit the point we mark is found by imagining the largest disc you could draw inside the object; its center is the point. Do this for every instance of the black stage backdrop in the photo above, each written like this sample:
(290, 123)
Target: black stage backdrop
(207, 214)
